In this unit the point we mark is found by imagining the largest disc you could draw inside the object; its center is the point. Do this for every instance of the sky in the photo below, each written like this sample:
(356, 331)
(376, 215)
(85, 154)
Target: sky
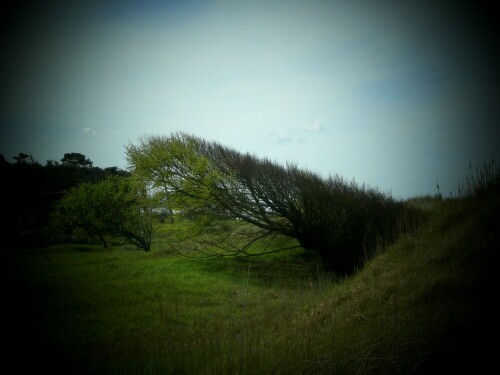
(399, 95)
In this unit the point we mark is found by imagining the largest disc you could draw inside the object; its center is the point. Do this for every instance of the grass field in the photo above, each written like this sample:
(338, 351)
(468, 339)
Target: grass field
(424, 305)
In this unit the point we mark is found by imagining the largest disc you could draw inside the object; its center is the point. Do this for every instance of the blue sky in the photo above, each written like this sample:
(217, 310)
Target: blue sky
(393, 94)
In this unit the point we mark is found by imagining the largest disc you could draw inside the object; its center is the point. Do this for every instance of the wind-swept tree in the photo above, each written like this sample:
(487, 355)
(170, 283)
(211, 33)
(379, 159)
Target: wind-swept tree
(341, 221)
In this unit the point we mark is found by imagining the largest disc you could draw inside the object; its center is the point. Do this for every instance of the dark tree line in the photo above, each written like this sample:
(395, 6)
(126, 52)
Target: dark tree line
(341, 221)
(29, 191)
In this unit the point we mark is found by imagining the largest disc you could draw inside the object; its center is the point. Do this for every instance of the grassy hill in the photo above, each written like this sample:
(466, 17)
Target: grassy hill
(424, 305)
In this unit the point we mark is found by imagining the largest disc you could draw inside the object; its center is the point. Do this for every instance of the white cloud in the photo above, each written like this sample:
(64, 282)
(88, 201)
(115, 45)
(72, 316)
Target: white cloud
(280, 137)
(316, 127)
(295, 133)
(284, 137)
(89, 131)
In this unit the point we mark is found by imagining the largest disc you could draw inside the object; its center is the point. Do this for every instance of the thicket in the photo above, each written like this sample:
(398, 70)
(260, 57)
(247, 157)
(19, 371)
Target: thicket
(114, 207)
(29, 191)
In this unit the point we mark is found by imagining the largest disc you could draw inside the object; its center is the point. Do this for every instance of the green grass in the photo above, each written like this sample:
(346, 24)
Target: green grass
(423, 305)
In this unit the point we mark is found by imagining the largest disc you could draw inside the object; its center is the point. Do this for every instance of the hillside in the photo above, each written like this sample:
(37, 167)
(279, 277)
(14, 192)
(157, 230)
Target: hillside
(424, 305)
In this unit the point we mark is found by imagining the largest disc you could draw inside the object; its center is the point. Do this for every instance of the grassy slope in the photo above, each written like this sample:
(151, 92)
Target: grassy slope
(424, 305)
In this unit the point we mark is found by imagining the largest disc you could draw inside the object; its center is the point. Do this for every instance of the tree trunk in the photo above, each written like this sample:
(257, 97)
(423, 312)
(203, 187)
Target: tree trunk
(103, 241)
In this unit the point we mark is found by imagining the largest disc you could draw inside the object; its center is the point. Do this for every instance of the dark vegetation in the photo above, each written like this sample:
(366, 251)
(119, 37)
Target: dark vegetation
(29, 192)
(367, 284)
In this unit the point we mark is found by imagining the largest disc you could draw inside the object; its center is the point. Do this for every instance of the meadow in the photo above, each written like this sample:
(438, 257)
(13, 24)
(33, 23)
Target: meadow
(422, 305)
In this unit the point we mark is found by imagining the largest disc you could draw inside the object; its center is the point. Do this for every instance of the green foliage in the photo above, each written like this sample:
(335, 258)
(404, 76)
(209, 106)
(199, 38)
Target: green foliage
(343, 222)
(115, 206)
(425, 305)
(179, 176)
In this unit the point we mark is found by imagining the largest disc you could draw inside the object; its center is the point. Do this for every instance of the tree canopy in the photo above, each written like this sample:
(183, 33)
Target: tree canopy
(114, 207)
(76, 159)
(343, 222)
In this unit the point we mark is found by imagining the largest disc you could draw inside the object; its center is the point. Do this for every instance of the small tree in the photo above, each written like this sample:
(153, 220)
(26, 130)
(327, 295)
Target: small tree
(114, 207)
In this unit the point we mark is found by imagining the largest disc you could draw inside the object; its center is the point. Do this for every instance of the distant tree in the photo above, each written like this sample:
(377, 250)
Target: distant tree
(51, 163)
(115, 171)
(341, 221)
(76, 159)
(24, 158)
(113, 207)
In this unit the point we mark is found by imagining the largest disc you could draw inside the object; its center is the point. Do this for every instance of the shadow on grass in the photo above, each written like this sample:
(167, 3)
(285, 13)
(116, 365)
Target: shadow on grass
(293, 269)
